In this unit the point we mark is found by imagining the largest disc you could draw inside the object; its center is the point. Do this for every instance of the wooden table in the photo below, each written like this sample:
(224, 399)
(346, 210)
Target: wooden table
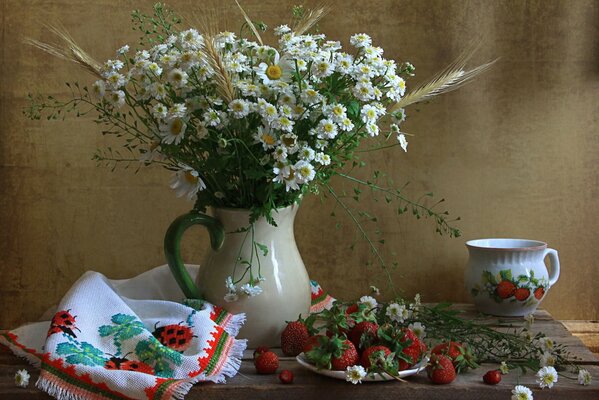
(307, 385)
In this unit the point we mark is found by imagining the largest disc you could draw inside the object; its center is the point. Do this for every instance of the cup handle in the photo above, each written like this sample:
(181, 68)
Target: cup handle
(554, 261)
(172, 247)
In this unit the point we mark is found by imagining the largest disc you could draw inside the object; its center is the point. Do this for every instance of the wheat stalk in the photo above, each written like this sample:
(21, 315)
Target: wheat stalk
(250, 23)
(310, 19)
(68, 50)
(451, 78)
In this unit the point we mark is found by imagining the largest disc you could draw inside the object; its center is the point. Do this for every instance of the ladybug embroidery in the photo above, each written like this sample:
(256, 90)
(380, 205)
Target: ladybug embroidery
(124, 364)
(63, 321)
(177, 337)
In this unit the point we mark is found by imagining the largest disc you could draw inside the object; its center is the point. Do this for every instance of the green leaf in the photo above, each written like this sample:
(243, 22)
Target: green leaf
(263, 248)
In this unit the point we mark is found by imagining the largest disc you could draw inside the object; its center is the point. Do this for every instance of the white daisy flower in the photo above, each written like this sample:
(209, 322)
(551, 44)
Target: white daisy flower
(239, 108)
(268, 111)
(397, 312)
(311, 96)
(123, 50)
(504, 368)
(280, 154)
(250, 290)
(347, 125)
(355, 374)
(177, 78)
(278, 69)
(403, 142)
(114, 80)
(112, 65)
(372, 129)
(343, 62)
(281, 30)
(191, 39)
(322, 69)
(418, 329)
(177, 110)
(283, 123)
(307, 153)
(584, 377)
(546, 377)
(116, 98)
(304, 171)
(363, 91)
(212, 117)
(521, 393)
(266, 137)
(173, 131)
(291, 181)
(159, 111)
(360, 40)
(327, 129)
(223, 39)
(369, 301)
(22, 378)
(547, 343)
(158, 90)
(322, 158)
(187, 182)
(229, 285)
(154, 69)
(99, 89)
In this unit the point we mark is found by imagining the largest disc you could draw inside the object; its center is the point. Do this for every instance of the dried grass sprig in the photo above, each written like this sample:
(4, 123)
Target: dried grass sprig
(310, 19)
(451, 78)
(250, 24)
(68, 50)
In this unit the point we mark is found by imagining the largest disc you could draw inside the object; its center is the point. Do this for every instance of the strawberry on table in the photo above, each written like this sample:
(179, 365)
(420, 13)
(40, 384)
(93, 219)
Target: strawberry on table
(293, 338)
(313, 341)
(259, 350)
(286, 376)
(367, 328)
(368, 356)
(266, 363)
(459, 354)
(492, 377)
(440, 370)
(347, 358)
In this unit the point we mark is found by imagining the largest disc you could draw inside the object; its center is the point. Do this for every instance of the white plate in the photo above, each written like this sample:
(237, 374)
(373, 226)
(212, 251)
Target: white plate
(369, 378)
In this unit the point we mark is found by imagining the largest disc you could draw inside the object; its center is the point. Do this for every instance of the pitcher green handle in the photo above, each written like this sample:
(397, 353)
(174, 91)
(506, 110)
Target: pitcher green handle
(172, 247)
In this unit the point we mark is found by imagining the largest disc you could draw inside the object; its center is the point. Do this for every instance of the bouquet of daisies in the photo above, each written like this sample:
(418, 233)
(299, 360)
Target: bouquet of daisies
(242, 123)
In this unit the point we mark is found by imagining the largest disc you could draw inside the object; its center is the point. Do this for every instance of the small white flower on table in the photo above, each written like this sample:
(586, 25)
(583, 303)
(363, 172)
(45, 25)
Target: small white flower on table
(22, 378)
(584, 377)
(521, 393)
(355, 374)
(546, 377)
(504, 368)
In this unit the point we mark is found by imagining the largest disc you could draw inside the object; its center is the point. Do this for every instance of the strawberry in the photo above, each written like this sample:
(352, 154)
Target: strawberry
(266, 363)
(522, 294)
(370, 352)
(539, 292)
(348, 357)
(505, 289)
(293, 338)
(440, 369)
(259, 350)
(492, 377)
(411, 353)
(351, 309)
(460, 355)
(362, 328)
(286, 376)
(313, 341)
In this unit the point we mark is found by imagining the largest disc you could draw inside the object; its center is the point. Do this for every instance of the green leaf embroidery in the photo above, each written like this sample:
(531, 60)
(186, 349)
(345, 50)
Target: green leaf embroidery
(86, 354)
(151, 351)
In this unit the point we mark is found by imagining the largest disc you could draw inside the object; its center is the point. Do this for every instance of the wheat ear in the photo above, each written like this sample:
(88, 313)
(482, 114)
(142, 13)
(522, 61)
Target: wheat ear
(250, 23)
(310, 19)
(68, 50)
(451, 78)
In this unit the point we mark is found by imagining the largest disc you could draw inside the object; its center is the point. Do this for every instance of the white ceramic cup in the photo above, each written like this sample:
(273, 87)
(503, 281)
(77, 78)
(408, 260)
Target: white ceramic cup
(508, 277)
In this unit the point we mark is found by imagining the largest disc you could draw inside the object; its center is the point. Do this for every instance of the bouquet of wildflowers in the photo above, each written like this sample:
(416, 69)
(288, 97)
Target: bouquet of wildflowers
(245, 124)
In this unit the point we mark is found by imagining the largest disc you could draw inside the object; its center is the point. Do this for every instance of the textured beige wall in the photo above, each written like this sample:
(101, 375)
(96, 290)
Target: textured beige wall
(515, 153)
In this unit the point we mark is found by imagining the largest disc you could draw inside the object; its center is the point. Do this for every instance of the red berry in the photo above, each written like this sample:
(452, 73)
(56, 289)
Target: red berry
(351, 309)
(412, 353)
(521, 294)
(505, 289)
(294, 338)
(313, 341)
(286, 376)
(348, 358)
(492, 377)
(365, 359)
(539, 293)
(361, 328)
(440, 370)
(267, 363)
(259, 350)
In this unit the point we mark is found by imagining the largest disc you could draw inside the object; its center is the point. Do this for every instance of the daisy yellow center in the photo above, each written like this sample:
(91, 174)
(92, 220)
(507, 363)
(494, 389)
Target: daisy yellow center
(268, 139)
(402, 85)
(191, 178)
(274, 72)
(328, 128)
(177, 127)
(238, 107)
(305, 171)
(288, 141)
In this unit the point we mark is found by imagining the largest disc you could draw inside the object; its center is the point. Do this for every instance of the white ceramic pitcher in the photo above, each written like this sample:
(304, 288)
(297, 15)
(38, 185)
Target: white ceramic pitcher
(508, 277)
